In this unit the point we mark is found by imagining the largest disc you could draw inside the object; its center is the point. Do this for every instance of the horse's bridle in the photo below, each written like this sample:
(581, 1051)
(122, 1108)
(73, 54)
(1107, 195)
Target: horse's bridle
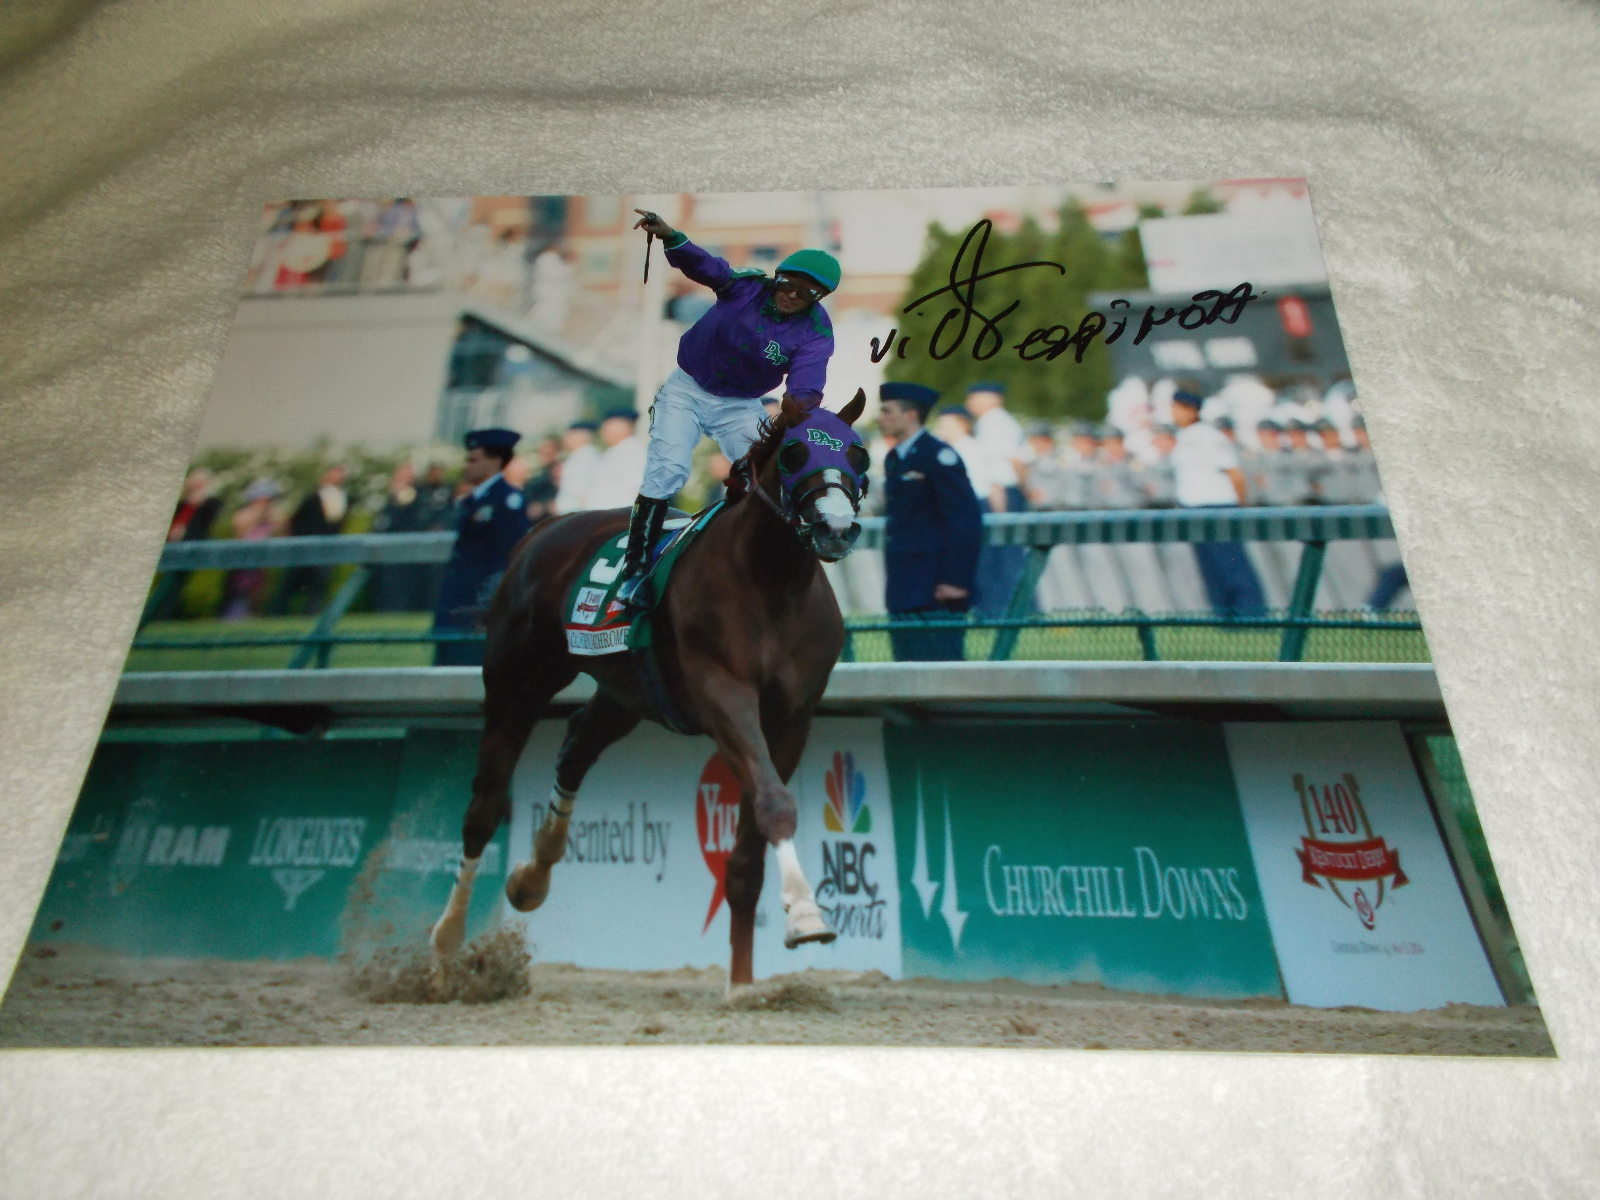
(788, 510)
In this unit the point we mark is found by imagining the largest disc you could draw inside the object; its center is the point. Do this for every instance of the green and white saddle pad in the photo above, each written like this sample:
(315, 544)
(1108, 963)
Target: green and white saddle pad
(598, 623)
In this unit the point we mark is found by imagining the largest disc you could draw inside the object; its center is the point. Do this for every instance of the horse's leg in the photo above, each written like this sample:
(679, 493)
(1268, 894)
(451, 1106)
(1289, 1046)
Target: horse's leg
(746, 868)
(732, 711)
(509, 718)
(744, 875)
(592, 728)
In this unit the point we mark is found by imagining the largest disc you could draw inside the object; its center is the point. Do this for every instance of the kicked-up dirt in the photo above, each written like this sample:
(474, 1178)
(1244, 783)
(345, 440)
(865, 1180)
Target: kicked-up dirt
(68, 996)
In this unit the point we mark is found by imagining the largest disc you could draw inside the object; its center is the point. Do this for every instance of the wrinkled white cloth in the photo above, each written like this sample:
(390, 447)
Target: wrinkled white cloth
(1451, 146)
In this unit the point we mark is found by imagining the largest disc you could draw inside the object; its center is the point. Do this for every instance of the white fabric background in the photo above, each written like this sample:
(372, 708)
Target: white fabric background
(1453, 150)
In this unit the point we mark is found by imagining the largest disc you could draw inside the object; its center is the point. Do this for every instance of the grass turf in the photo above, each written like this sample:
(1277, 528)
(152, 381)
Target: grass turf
(1181, 644)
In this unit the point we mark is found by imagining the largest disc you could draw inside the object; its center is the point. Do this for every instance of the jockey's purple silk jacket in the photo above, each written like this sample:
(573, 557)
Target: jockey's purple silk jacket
(743, 346)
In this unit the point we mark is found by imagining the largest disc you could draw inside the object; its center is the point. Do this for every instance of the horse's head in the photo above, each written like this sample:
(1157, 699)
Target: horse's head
(821, 469)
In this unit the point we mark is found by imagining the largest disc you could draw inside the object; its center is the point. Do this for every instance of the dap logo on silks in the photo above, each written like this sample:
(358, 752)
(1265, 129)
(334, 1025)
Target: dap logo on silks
(846, 810)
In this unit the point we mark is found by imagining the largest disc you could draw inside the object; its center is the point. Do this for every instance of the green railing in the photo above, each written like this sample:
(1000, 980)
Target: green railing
(1285, 635)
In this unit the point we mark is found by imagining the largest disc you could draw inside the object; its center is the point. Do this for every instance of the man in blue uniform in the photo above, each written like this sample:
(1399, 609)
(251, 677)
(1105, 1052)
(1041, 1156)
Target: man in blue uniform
(760, 333)
(491, 520)
(934, 527)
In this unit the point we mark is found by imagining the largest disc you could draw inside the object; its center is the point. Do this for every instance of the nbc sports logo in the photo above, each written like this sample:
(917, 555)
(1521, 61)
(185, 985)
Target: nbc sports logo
(846, 809)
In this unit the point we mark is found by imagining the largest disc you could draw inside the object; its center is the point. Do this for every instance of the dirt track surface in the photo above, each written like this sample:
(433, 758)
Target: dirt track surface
(61, 996)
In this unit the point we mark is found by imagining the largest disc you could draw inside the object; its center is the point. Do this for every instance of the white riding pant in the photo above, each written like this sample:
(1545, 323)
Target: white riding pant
(683, 412)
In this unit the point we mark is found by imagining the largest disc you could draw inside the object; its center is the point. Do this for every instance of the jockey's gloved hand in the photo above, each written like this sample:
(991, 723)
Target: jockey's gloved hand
(651, 223)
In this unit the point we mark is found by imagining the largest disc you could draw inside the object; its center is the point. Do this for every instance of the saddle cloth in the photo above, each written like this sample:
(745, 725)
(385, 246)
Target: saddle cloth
(597, 622)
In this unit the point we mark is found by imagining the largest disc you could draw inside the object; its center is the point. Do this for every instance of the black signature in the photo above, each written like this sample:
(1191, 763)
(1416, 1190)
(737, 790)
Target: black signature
(1206, 308)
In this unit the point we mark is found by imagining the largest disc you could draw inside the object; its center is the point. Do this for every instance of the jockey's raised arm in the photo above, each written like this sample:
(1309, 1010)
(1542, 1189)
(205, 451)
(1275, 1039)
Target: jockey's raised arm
(761, 334)
(697, 263)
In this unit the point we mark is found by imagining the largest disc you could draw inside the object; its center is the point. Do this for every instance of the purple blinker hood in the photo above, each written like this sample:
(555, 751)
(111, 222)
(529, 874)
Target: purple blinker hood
(827, 441)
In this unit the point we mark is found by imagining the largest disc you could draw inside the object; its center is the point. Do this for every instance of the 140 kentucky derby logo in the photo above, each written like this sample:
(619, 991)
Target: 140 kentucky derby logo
(1340, 847)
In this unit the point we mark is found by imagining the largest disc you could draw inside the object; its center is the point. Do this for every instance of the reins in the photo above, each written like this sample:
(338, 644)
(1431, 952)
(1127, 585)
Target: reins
(746, 471)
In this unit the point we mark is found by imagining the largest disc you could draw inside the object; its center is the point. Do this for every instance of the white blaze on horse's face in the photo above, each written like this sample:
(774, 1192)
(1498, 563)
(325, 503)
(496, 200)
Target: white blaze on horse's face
(830, 517)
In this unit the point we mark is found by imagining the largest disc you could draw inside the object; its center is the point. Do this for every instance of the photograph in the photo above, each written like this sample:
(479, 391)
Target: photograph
(944, 617)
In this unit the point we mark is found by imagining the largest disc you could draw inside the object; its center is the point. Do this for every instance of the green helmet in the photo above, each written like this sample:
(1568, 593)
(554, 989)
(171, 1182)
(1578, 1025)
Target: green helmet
(818, 264)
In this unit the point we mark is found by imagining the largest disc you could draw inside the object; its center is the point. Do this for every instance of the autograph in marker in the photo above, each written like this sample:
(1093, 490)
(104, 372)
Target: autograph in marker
(1208, 307)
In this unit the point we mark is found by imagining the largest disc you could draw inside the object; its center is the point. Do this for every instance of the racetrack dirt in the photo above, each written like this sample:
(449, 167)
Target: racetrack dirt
(68, 996)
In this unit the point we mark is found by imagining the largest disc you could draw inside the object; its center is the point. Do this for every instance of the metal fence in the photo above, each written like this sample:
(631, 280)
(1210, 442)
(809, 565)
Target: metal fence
(1290, 635)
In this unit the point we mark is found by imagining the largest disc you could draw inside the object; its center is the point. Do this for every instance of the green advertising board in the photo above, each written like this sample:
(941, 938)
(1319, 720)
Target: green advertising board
(1090, 853)
(264, 848)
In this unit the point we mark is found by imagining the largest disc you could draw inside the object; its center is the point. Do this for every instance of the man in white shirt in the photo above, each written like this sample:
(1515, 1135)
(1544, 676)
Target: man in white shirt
(953, 427)
(1208, 475)
(1007, 455)
(999, 434)
(620, 470)
(577, 469)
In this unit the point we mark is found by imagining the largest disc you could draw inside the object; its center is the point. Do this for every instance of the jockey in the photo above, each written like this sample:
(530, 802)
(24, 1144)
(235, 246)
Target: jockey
(758, 331)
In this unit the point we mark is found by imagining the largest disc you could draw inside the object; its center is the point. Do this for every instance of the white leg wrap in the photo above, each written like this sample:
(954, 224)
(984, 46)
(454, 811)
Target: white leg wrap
(461, 893)
(805, 920)
(795, 886)
(450, 930)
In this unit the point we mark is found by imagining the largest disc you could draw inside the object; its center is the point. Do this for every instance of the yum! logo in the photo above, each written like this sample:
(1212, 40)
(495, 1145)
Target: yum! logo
(1340, 847)
(716, 821)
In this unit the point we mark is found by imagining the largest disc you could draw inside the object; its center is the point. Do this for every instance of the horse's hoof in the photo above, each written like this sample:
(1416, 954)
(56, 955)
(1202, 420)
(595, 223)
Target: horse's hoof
(438, 977)
(806, 925)
(448, 933)
(528, 885)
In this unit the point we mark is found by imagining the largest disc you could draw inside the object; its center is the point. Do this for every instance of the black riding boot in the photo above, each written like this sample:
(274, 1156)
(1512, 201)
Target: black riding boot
(643, 529)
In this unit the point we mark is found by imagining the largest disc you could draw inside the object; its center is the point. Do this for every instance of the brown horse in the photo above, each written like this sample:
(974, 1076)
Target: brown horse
(747, 633)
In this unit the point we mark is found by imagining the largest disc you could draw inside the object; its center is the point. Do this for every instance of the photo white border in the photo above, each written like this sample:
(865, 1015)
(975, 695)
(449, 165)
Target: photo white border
(1450, 150)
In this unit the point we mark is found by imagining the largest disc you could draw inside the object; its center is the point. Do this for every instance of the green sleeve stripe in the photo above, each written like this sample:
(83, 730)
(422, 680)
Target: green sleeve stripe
(678, 238)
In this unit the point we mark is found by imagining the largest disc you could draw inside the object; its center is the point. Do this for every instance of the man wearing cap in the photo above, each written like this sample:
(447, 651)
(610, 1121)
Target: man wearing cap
(1080, 459)
(1047, 474)
(320, 514)
(1117, 478)
(1207, 474)
(577, 469)
(1302, 462)
(1160, 480)
(934, 527)
(491, 520)
(759, 334)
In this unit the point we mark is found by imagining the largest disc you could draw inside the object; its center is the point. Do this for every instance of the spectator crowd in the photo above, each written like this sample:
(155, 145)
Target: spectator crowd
(346, 244)
(1160, 447)
(1292, 452)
